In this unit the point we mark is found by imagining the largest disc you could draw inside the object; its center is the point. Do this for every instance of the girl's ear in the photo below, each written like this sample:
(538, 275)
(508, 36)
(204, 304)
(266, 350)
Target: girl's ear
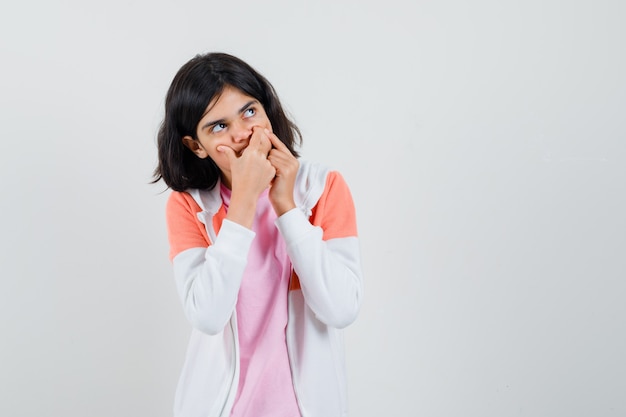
(195, 147)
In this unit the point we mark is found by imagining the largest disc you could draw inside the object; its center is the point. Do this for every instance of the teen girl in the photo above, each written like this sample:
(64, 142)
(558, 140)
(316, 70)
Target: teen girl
(264, 250)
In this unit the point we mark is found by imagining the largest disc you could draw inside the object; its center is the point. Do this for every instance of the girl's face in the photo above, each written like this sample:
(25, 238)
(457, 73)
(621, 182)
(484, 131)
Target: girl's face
(227, 121)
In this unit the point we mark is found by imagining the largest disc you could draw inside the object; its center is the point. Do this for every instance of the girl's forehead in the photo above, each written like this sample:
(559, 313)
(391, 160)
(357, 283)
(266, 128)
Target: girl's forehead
(227, 102)
(228, 95)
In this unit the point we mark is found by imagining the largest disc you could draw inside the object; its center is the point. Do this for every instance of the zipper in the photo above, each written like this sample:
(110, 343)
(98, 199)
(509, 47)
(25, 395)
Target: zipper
(289, 342)
(235, 362)
(207, 219)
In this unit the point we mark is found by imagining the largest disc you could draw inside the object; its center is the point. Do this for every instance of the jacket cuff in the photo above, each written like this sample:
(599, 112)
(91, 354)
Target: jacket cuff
(293, 226)
(234, 238)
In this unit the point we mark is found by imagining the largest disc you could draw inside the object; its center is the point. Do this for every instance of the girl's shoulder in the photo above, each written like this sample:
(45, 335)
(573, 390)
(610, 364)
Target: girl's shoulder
(310, 183)
(181, 201)
(314, 180)
(199, 200)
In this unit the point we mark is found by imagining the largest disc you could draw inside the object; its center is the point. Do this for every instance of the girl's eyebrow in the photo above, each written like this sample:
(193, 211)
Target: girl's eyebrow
(241, 110)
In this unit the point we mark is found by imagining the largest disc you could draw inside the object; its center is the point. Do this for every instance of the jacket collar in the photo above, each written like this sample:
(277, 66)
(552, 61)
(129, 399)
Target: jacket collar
(309, 186)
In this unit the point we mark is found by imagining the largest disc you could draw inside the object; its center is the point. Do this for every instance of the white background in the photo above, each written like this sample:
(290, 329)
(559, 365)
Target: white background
(484, 145)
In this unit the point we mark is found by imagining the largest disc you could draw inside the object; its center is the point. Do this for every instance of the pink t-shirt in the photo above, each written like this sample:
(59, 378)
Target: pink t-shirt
(265, 384)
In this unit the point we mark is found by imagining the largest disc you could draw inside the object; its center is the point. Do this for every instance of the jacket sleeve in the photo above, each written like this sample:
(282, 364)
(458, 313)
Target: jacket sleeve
(208, 274)
(325, 254)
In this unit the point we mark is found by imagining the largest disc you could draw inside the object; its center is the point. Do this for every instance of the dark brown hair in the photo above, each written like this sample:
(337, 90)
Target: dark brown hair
(195, 85)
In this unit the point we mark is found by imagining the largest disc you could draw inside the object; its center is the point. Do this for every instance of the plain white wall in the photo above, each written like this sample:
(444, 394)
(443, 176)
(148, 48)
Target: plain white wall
(484, 145)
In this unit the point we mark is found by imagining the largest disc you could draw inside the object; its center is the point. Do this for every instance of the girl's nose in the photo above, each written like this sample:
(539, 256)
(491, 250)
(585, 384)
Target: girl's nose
(241, 131)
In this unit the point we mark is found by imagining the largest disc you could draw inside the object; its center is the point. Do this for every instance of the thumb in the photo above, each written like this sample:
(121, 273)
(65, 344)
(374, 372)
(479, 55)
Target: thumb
(230, 154)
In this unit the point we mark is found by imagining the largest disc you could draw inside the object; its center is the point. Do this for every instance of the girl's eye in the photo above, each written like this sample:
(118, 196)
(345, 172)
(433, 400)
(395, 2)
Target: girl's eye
(249, 112)
(218, 127)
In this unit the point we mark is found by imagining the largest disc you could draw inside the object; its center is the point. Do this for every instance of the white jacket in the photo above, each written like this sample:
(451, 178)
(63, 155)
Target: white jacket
(325, 293)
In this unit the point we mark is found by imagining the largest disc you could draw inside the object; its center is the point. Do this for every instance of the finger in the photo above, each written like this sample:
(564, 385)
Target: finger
(256, 138)
(260, 140)
(276, 142)
(283, 162)
(230, 153)
(276, 157)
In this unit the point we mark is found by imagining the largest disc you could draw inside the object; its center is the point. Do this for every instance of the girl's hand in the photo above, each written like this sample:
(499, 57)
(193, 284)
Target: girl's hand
(250, 174)
(286, 165)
